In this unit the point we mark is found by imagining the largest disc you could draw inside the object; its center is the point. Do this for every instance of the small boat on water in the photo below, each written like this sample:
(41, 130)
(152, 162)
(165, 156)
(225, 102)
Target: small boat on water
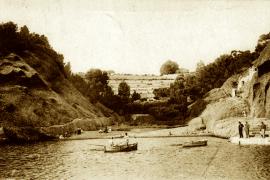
(121, 148)
(195, 143)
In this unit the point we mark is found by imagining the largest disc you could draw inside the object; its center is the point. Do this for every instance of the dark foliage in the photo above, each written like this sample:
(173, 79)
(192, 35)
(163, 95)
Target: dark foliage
(135, 96)
(97, 82)
(169, 67)
(210, 76)
(17, 41)
(161, 93)
(262, 42)
(21, 42)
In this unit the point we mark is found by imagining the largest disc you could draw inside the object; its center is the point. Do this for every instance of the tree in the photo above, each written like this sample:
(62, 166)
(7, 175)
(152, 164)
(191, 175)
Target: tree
(177, 91)
(96, 75)
(169, 67)
(8, 37)
(97, 81)
(161, 92)
(124, 90)
(262, 42)
(135, 96)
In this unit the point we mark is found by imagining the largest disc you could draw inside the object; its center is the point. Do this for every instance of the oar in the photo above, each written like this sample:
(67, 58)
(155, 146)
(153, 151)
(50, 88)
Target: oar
(97, 145)
(176, 144)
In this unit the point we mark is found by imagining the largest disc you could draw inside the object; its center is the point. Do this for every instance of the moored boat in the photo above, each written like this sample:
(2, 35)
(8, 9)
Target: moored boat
(195, 143)
(121, 148)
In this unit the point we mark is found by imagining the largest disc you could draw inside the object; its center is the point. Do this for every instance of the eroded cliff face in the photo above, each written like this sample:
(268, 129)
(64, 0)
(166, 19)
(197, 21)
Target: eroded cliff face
(243, 97)
(259, 92)
(37, 102)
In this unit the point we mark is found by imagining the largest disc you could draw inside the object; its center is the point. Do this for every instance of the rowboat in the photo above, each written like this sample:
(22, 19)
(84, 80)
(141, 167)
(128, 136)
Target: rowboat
(195, 143)
(121, 148)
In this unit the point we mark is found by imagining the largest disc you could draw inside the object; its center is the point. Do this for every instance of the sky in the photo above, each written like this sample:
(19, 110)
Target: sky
(138, 36)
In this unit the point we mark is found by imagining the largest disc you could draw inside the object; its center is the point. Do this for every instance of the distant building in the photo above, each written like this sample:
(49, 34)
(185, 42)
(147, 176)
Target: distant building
(142, 84)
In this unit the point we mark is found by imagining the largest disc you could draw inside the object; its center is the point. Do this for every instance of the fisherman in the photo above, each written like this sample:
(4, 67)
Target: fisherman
(112, 143)
(263, 129)
(106, 129)
(126, 138)
(79, 131)
(247, 129)
(240, 128)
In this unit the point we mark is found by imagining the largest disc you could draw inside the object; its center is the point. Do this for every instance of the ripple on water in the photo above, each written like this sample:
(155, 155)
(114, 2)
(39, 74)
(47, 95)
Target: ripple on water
(155, 159)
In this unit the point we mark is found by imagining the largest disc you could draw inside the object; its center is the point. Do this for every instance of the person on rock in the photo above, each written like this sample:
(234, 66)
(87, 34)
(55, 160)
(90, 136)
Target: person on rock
(247, 129)
(240, 128)
(263, 129)
(126, 137)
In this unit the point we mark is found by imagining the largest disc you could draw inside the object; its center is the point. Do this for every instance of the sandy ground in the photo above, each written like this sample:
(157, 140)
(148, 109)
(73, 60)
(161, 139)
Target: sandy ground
(141, 133)
(187, 131)
(175, 132)
(249, 141)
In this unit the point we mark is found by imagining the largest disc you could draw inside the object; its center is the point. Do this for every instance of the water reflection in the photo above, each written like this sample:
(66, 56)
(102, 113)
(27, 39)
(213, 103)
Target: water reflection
(155, 159)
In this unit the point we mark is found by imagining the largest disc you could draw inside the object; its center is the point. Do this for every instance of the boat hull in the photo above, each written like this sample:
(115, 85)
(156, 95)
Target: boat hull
(195, 143)
(121, 148)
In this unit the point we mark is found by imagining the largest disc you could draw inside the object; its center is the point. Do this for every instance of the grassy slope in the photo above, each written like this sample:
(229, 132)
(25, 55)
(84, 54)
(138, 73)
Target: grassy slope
(52, 102)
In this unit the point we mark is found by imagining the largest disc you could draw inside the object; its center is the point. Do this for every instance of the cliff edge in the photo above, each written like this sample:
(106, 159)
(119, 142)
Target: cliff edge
(243, 97)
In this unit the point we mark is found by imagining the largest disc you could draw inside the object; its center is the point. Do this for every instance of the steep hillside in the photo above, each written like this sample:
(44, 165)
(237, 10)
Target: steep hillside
(37, 102)
(243, 97)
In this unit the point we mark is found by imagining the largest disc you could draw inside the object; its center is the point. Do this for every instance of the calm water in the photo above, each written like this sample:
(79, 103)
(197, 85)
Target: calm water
(157, 158)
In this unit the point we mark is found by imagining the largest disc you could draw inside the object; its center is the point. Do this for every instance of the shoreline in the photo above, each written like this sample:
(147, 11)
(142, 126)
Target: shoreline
(156, 132)
(144, 133)
(201, 135)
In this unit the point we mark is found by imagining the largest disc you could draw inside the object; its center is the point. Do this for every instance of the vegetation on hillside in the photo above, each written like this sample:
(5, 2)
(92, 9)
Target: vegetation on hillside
(187, 88)
(21, 41)
(193, 86)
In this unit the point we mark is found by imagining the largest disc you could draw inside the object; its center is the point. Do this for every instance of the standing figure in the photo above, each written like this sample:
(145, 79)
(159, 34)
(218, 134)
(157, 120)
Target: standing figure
(247, 129)
(112, 143)
(263, 129)
(240, 128)
(126, 138)
(106, 129)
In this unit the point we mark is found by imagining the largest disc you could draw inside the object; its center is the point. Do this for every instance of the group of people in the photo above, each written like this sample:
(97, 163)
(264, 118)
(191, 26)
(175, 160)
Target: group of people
(246, 128)
(106, 130)
(122, 142)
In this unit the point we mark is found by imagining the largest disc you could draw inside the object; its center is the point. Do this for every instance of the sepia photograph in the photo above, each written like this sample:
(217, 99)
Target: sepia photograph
(134, 89)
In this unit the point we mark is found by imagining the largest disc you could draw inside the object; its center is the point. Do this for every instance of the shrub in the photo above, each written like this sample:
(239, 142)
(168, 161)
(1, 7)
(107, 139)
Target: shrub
(169, 67)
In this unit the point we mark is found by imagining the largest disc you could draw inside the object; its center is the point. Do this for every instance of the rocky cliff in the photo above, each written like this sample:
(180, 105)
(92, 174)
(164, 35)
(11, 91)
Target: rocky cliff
(243, 97)
(37, 102)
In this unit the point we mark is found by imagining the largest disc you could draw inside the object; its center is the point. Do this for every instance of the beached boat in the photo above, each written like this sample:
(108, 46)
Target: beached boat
(195, 143)
(121, 148)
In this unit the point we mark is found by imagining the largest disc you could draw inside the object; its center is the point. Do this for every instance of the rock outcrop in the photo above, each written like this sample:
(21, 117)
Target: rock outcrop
(37, 102)
(243, 97)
